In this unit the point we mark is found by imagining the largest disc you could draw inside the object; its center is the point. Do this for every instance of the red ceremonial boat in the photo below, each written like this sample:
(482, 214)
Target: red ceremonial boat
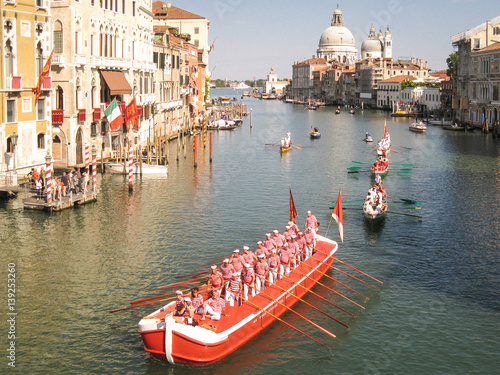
(181, 343)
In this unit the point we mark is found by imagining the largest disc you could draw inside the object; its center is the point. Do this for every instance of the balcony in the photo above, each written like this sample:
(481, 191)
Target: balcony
(58, 59)
(80, 59)
(97, 114)
(57, 116)
(13, 83)
(82, 115)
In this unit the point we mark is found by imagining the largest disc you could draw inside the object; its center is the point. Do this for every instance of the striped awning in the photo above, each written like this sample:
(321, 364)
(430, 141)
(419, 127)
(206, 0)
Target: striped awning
(117, 82)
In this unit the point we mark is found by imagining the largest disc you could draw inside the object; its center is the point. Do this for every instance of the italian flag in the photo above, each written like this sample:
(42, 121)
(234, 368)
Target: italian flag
(114, 115)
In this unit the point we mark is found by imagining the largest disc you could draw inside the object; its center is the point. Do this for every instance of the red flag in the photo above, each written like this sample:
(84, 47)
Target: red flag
(132, 115)
(337, 215)
(293, 211)
(44, 73)
(385, 129)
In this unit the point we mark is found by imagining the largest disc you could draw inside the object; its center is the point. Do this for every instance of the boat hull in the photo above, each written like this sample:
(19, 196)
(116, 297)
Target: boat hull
(184, 344)
(418, 129)
(315, 135)
(284, 150)
(375, 217)
(117, 168)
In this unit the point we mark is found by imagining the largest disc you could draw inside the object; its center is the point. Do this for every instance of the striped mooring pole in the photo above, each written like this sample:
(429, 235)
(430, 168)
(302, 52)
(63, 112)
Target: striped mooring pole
(94, 168)
(204, 131)
(48, 177)
(130, 169)
(87, 158)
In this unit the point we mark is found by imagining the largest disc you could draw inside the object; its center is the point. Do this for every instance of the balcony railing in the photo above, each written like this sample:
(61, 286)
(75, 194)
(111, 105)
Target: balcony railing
(57, 116)
(58, 59)
(13, 83)
(80, 59)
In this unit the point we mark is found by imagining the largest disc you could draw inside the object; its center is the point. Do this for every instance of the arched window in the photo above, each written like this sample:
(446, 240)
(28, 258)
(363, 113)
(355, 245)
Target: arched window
(39, 58)
(59, 98)
(58, 37)
(9, 145)
(9, 59)
(40, 141)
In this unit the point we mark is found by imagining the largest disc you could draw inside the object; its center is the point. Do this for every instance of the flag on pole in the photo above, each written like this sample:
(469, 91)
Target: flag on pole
(337, 215)
(114, 115)
(44, 73)
(293, 211)
(385, 129)
(212, 46)
(132, 115)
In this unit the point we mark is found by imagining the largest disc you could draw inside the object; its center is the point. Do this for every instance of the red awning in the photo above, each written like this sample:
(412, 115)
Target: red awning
(116, 82)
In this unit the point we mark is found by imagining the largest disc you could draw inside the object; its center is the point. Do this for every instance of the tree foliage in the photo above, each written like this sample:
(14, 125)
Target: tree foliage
(452, 62)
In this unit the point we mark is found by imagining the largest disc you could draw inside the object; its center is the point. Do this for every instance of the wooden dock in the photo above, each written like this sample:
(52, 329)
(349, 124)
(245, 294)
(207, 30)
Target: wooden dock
(71, 200)
(9, 191)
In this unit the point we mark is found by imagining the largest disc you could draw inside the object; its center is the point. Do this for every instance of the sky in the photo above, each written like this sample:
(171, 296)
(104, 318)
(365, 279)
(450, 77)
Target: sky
(254, 35)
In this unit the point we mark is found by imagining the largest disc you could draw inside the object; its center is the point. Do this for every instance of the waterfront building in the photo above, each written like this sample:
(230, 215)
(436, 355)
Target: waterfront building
(430, 99)
(334, 88)
(102, 51)
(25, 128)
(302, 77)
(337, 42)
(170, 114)
(465, 43)
(370, 71)
(485, 85)
(389, 91)
(273, 86)
(377, 45)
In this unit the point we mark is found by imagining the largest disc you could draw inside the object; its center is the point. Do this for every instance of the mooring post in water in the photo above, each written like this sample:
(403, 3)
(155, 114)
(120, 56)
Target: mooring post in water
(178, 147)
(194, 147)
(130, 169)
(48, 173)
(204, 131)
(102, 158)
(94, 169)
(211, 142)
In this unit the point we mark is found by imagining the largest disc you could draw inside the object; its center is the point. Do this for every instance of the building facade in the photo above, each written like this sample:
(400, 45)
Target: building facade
(273, 85)
(25, 129)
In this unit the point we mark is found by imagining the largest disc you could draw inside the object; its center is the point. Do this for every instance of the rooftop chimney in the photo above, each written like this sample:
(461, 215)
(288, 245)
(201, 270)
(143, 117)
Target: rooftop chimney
(169, 5)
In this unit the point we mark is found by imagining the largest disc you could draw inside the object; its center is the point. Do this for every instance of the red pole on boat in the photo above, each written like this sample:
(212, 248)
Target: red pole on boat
(303, 317)
(130, 169)
(282, 321)
(371, 277)
(211, 139)
(309, 304)
(335, 280)
(316, 294)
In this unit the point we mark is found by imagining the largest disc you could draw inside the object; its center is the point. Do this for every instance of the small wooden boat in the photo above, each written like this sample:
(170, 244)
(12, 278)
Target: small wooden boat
(224, 127)
(418, 127)
(454, 127)
(375, 214)
(351, 111)
(211, 340)
(403, 113)
(315, 135)
(368, 138)
(284, 149)
(312, 107)
(117, 168)
(439, 122)
(337, 111)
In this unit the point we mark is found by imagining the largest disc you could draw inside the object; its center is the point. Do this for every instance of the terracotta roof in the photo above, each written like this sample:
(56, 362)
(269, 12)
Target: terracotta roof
(439, 74)
(398, 79)
(353, 70)
(162, 28)
(319, 60)
(162, 11)
(493, 47)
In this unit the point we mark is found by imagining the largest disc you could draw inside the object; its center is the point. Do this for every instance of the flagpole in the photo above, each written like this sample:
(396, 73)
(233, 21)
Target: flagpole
(331, 217)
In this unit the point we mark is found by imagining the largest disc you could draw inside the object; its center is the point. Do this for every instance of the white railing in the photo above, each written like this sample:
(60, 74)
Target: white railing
(58, 59)
(80, 59)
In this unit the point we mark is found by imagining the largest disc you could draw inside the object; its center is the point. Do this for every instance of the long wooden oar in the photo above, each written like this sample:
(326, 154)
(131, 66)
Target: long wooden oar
(316, 294)
(307, 303)
(150, 298)
(359, 171)
(359, 162)
(401, 213)
(193, 274)
(282, 321)
(408, 207)
(295, 312)
(335, 280)
(409, 201)
(354, 268)
(295, 144)
(354, 277)
(180, 283)
(401, 147)
(211, 261)
(144, 304)
(323, 285)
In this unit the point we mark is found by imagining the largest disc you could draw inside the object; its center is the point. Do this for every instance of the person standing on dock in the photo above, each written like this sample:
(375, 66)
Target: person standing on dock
(65, 182)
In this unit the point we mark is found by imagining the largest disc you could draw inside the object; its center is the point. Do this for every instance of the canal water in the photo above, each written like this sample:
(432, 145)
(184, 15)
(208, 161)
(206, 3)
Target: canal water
(437, 311)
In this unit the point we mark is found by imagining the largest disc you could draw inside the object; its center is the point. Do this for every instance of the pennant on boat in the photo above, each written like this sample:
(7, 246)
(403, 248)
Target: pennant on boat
(385, 129)
(114, 115)
(293, 211)
(337, 215)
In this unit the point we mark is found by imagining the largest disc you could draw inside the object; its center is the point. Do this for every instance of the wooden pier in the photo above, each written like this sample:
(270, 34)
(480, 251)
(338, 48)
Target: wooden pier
(70, 200)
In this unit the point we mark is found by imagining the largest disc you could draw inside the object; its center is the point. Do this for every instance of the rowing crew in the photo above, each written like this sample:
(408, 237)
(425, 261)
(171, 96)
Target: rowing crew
(380, 165)
(246, 274)
(287, 141)
(375, 201)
